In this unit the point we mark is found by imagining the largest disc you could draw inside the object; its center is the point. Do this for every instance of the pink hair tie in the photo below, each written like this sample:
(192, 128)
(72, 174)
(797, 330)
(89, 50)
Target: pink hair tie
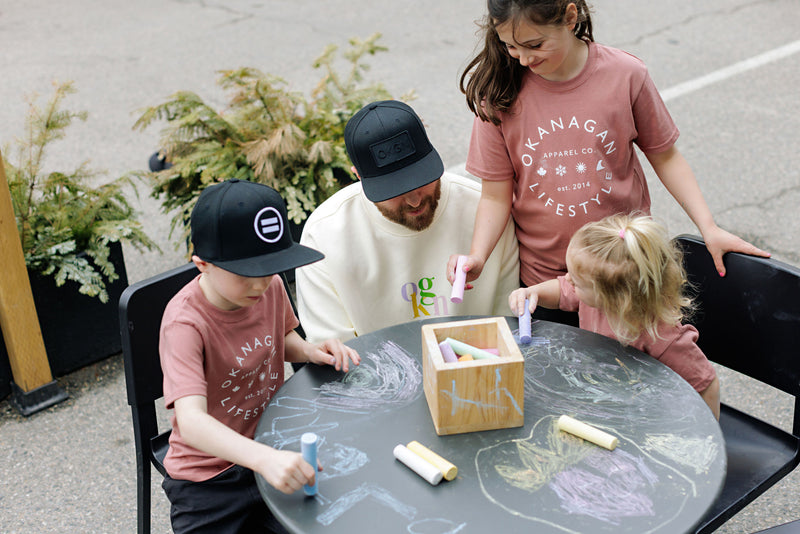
(622, 233)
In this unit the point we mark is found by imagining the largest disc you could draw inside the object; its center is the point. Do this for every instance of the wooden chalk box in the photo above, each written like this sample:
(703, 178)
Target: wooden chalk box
(469, 396)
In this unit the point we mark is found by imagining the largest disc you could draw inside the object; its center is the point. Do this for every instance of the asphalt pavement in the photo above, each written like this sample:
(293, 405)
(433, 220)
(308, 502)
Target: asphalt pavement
(729, 71)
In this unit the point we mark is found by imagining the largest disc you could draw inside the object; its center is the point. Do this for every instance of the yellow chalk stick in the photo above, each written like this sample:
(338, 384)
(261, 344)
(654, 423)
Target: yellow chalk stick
(448, 469)
(466, 358)
(587, 432)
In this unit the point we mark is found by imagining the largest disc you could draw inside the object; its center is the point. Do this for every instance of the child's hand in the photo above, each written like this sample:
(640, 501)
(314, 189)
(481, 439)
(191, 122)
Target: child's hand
(286, 471)
(334, 352)
(516, 300)
(472, 266)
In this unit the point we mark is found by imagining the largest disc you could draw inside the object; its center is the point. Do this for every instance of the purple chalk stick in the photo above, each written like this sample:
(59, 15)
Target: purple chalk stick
(525, 325)
(448, 353)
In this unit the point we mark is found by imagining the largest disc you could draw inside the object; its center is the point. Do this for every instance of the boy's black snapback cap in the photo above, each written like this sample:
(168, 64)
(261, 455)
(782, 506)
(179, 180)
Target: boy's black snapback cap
(242, 227)
(389, 148)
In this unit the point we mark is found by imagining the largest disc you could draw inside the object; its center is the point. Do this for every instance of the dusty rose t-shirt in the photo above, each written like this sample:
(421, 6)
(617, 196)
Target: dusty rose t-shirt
(233, 358)
(569, 147)
(676, 347)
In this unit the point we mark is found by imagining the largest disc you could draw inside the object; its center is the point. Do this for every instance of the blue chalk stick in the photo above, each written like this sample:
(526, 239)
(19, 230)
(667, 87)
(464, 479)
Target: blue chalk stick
(308, 447)
(525, 325)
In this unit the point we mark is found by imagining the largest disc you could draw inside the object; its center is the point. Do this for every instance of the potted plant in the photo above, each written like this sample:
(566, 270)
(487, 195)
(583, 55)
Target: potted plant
(70, 230)
(267, 134)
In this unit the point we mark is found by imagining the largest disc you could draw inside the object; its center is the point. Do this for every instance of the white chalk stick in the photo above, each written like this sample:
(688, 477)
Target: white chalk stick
(460, 280)
(525, 325)
(463, 348)
(308, 447)
(420, 466)
(587, 432)
(447, 352)
(448, 469)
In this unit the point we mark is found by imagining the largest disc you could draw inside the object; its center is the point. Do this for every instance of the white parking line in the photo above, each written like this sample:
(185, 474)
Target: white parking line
(730, 71)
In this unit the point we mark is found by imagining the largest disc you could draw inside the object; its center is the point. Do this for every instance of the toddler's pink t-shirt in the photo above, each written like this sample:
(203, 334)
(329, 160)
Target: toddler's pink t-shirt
(676, 347)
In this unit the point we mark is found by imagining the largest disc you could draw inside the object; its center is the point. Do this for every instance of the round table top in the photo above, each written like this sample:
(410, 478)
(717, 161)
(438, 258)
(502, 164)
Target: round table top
(665, 473)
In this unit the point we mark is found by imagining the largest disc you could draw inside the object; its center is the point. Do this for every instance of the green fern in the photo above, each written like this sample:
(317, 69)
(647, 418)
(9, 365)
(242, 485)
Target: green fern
(63, 220)
(267, 134)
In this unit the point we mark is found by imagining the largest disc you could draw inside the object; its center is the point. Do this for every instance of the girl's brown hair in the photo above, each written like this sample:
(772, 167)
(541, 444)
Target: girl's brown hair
(492, 80)
(636, 271)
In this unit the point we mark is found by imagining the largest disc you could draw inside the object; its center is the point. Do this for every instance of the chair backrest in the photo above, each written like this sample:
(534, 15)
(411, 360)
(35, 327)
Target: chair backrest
(140, 309)
(749, 320)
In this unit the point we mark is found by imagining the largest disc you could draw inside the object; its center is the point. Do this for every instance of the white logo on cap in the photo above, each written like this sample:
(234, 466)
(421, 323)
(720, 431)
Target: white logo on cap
(269, 225)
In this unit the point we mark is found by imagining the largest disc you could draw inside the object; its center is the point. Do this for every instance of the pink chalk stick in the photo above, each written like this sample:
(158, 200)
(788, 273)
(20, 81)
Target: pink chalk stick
(448, 353)
(492, 351)
(457, 295)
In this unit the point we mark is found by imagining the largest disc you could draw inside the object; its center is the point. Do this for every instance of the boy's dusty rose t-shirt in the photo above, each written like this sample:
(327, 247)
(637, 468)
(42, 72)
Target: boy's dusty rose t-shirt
(569, 147)
(676, 347)
(233, 358)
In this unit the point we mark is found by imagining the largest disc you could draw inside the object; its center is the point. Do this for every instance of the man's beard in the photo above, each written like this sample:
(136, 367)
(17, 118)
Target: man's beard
(418, 222)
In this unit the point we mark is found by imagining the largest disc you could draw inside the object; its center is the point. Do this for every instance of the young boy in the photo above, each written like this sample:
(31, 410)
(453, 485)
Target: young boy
(224, 339)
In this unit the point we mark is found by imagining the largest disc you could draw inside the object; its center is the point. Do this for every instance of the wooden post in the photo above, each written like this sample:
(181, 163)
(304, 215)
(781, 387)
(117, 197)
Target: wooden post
(33, 388)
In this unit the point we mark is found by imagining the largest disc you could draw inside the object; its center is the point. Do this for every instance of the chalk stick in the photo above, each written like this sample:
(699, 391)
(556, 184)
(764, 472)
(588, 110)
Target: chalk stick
(420, 466)
(525, 325)
(460, 280)
(448, 469)
(308, 447)
(447, 352)
(496, 352)
(466, 358)
(463, 348)
(587, 432)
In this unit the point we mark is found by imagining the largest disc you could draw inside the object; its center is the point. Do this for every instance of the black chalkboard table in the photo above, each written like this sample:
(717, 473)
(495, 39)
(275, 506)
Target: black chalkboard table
(666, 471)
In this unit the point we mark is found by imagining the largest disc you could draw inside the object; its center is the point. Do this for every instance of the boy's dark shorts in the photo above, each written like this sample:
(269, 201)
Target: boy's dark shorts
(228, 503)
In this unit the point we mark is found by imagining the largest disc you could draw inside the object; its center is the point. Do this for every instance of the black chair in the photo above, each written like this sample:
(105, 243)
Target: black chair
(792, 527)
(140, 309)
(749, 321)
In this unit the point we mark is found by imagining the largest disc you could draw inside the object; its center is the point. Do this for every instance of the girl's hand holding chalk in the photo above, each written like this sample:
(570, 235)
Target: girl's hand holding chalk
(587, 432)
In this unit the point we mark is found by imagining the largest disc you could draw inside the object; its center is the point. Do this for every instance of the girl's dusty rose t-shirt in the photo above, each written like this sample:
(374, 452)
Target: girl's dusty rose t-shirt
(569, 147)
(233, 358)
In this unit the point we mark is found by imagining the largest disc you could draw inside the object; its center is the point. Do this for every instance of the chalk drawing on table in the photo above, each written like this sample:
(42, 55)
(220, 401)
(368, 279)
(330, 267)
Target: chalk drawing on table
(365, 491)
(535, 340)
(581, 381)
(435, 526)
(697, 453)
(382, 496)
(599, 489)
(386, 379)
(285, 430)
(601, 382)
(340, 460)
(614, 488)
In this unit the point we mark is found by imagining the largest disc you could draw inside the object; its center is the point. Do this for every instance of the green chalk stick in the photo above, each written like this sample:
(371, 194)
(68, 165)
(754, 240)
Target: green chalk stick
(463, 348)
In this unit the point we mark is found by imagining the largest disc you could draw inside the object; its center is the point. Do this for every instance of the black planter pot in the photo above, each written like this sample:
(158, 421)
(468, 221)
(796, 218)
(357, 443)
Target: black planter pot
(77, 330)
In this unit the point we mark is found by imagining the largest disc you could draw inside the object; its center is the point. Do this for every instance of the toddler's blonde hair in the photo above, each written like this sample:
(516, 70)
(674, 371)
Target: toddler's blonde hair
(636, 271)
